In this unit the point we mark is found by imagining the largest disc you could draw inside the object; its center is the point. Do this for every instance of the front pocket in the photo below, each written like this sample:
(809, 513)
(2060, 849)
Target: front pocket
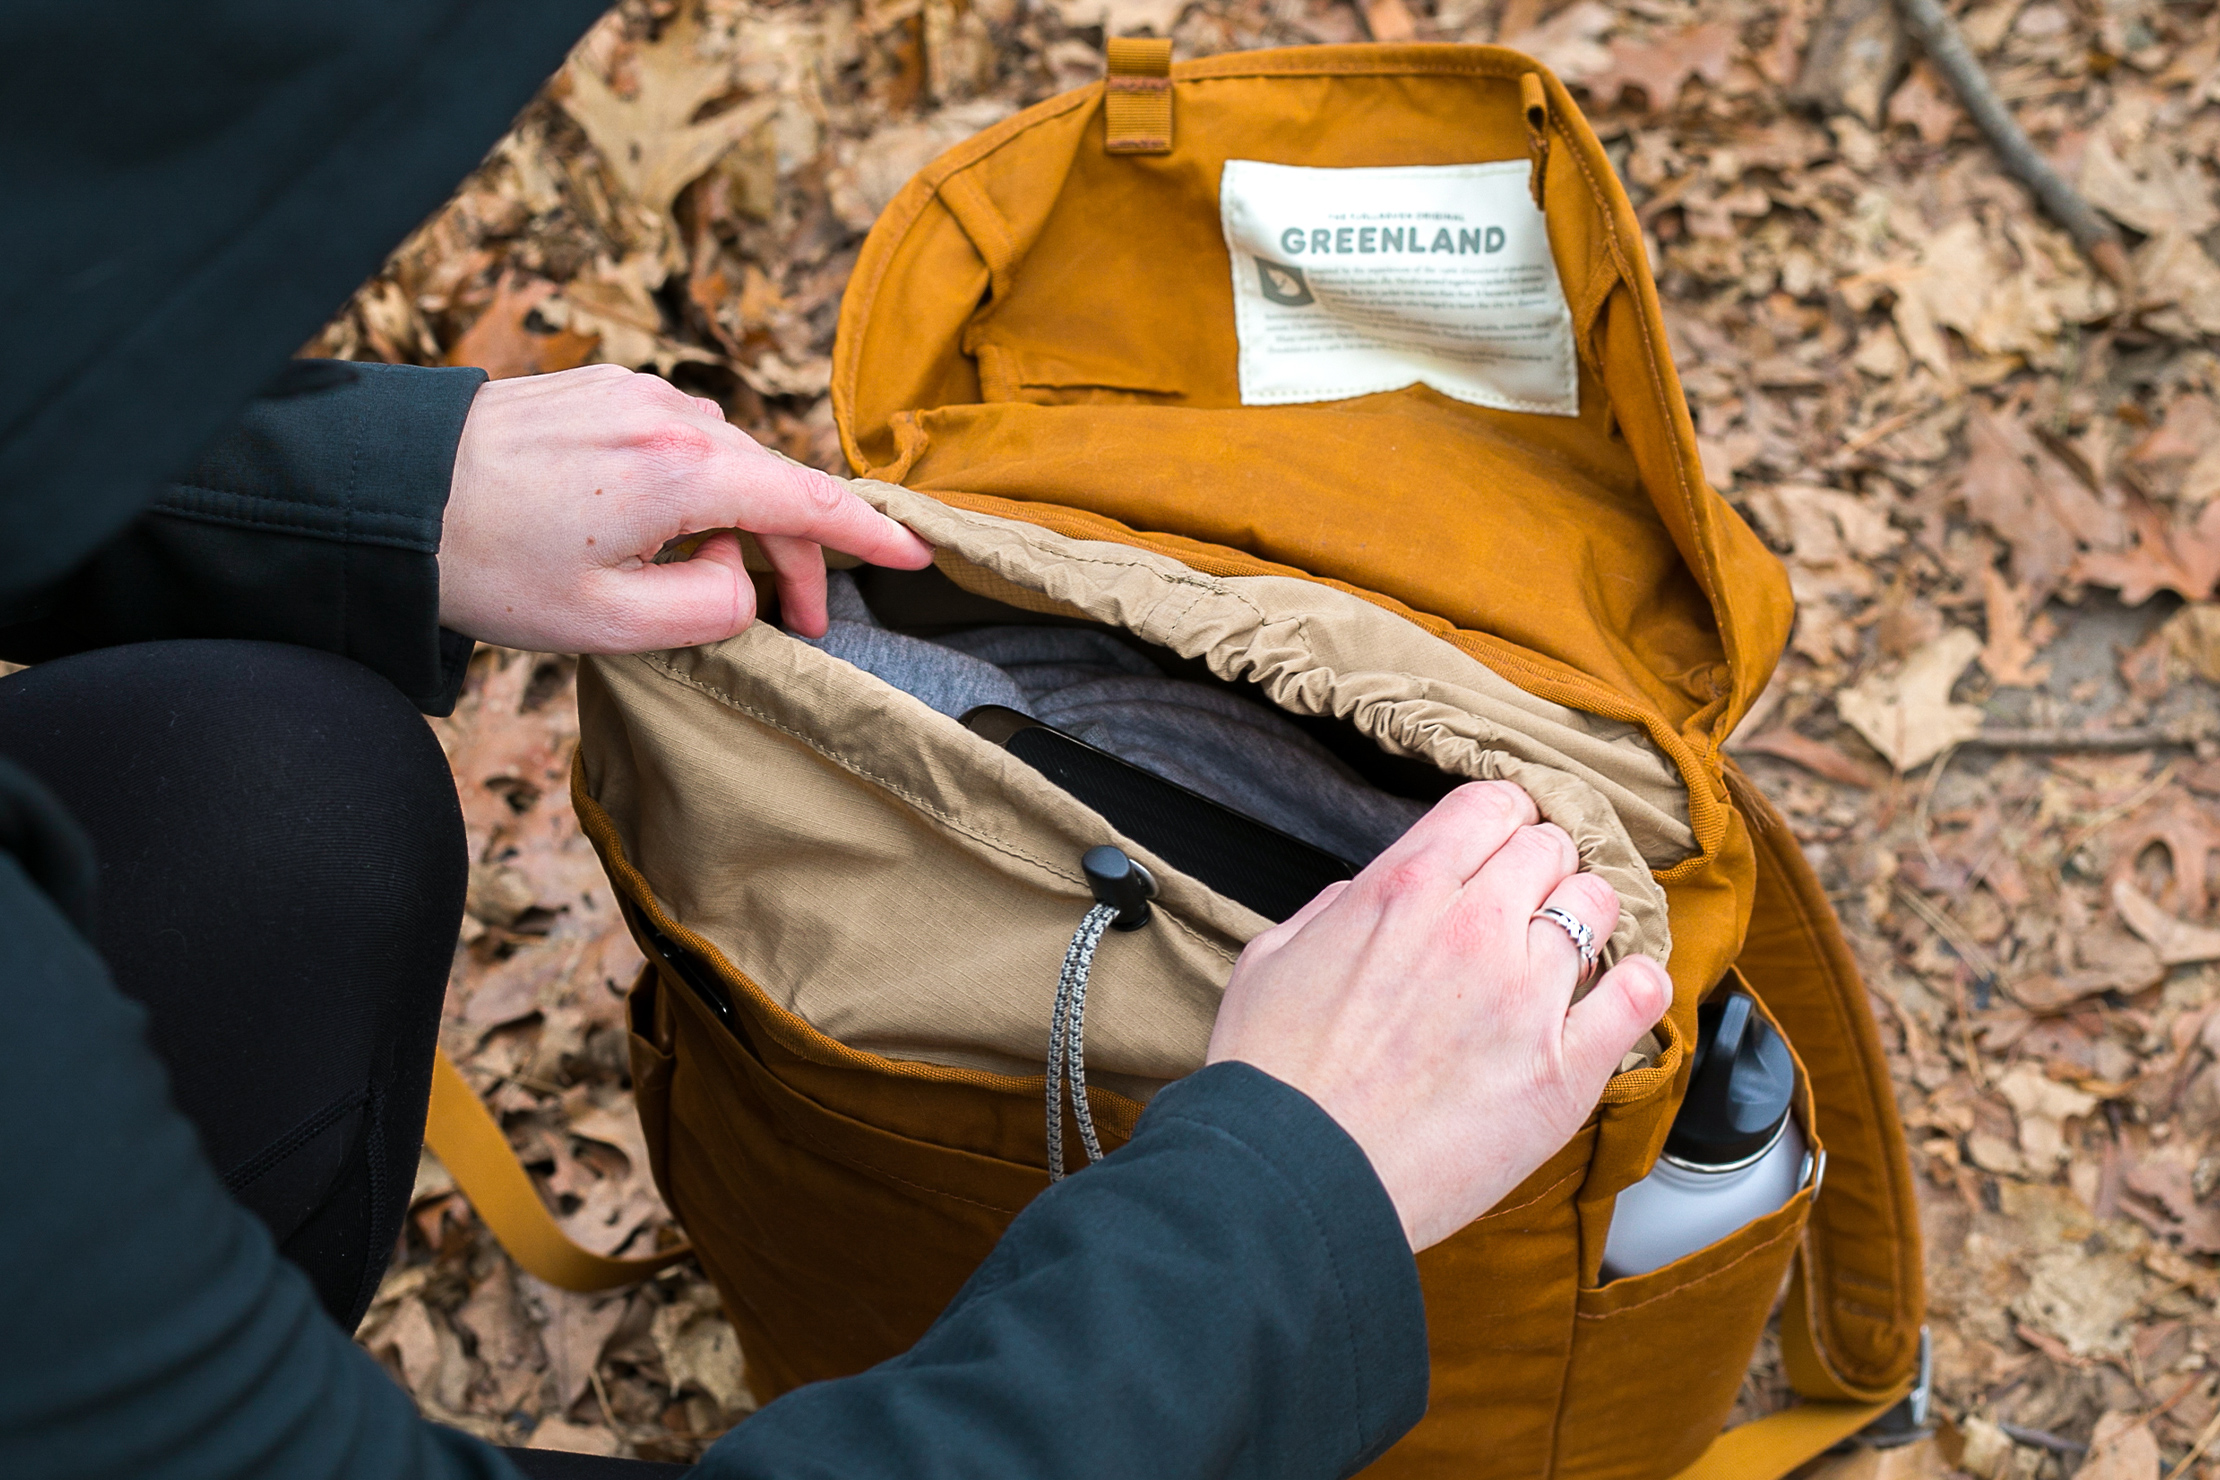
(1658, 1358)
(790, 1203)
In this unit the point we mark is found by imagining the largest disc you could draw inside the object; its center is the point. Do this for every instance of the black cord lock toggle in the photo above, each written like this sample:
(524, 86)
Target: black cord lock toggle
(1120, 883)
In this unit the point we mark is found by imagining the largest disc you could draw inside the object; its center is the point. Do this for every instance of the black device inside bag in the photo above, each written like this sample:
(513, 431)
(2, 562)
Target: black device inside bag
(1262, 867)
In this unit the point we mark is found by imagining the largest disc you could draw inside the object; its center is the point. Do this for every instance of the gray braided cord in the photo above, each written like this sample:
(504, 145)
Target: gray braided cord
(1067, 1042)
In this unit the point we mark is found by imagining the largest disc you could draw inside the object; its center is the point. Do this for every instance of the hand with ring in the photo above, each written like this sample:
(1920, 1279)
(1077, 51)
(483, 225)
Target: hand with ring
(1428, 1005)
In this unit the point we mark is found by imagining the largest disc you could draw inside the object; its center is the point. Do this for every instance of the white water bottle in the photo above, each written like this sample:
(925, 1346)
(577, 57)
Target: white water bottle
(1733, 1155)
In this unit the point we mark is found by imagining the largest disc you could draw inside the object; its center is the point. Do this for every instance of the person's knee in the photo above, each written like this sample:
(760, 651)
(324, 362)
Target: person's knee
(267, 755)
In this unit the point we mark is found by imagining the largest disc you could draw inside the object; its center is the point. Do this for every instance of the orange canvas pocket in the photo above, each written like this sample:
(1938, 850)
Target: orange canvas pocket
(1658, 1358)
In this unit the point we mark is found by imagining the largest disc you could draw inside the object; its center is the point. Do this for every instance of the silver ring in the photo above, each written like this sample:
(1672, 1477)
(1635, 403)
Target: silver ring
(1583, 939)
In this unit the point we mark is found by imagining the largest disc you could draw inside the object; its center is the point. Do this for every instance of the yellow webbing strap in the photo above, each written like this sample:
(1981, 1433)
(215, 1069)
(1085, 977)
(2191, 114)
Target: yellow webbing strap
(466, 1138)
(1137, 101)
(1768, 1448)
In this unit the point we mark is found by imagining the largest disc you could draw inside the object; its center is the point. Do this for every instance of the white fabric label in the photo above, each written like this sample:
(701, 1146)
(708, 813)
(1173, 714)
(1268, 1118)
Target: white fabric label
(1351, 281)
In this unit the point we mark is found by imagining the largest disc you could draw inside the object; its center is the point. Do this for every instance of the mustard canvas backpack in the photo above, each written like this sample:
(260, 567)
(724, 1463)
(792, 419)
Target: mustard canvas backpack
(1334, 376)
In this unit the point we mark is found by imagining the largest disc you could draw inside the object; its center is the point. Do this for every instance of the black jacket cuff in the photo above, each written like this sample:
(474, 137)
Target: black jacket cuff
(314, 520)
(1350, 1214)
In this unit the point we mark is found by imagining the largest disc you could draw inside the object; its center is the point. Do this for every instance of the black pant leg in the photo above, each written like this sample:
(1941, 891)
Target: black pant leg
(281, 880)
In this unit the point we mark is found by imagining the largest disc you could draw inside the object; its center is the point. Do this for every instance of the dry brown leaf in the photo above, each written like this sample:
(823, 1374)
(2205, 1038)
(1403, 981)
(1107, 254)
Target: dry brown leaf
(2003, 492)
(2107, 960)
(1815, 756)
(1659, 66)
(500, 344)
(2173, 272)
(2177, 942)
(573, 1438)
(649, 142)
(2167, 556)
(507, 1345)
(2042, 1107)
(1826, 526)
(2191, 427)
(2148, 188)
(1389, 20)
(2189, 831)
(2167, 1177)
(1907, 715)
(1123, 17)
(1569, 42)
(1926, 104)
(2010, 651)
(701, 1353)
(2085, 1302)
(577, 1328)
(2193, 635)
(1919, 1460)
(869, 172)
(2122, 1448)
(431, 1356)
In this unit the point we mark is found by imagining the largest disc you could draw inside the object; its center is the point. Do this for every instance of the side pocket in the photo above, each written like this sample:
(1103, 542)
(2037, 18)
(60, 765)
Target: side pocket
(1658, 1358)
(653, 1065)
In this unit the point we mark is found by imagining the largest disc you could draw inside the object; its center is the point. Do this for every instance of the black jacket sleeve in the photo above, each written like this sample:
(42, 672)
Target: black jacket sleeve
(148, 1328)
(315, 520)
(1229, 1295)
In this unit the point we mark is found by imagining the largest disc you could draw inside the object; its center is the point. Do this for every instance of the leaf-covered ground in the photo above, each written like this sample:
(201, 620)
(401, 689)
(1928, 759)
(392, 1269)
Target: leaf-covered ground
(1994, 476)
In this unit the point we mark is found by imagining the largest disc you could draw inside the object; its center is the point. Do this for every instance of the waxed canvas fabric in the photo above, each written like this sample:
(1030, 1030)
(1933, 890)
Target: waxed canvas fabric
(1040, 331)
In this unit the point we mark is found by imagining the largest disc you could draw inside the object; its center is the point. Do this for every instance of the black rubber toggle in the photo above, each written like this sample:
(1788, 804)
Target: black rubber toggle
(1120, 883)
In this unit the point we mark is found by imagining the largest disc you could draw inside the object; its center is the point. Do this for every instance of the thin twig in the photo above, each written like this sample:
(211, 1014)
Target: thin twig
(1890, 426)
(2043, 1439)
(2065, 737)
(1946, 47)
(1922, 815)
(2212, 1430)
(1961, 944)
(2114, 813)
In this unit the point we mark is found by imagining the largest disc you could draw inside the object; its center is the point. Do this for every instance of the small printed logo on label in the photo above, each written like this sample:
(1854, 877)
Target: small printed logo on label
(1372, 279)
(1282, 284)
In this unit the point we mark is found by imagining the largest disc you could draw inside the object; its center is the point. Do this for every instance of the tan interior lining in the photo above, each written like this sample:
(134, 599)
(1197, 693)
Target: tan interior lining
(908, 888)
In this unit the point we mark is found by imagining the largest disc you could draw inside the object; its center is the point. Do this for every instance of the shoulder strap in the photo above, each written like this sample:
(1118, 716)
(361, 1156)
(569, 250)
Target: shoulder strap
(468, 1141)
(1851, 1326)
(1768, 1448)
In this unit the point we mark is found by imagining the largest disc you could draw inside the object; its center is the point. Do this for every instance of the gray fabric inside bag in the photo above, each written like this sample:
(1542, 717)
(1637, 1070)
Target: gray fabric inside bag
(1095, 688)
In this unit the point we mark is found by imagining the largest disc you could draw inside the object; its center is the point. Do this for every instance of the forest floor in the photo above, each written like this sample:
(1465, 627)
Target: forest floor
(1993, 475)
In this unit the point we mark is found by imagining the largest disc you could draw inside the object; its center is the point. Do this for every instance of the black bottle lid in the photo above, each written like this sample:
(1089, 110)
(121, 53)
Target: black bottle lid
(1740, 1089)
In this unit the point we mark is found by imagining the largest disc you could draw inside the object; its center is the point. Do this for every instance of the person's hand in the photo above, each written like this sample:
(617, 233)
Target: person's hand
(1425, 1009)
(567, 485)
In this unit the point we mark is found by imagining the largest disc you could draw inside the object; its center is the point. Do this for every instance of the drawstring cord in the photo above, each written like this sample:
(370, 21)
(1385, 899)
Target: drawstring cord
(1067, 1041)
(1122, 890)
